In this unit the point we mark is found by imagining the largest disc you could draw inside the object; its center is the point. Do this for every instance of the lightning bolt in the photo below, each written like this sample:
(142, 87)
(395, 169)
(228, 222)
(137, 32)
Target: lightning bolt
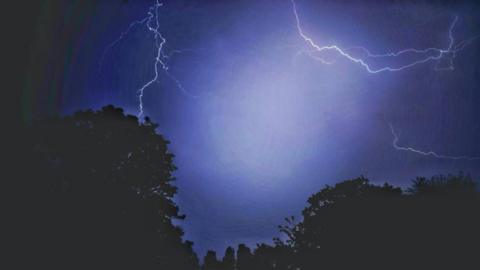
(120, 37)
(152, 24)
(423, 153)
(429, 54)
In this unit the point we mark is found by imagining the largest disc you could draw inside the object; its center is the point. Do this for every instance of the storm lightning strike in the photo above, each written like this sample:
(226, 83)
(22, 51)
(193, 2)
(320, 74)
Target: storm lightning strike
(423, 153)
(430, 54)
(152, 24)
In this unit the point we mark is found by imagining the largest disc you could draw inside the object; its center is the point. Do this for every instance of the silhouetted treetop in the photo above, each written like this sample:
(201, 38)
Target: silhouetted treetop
(210, 261)
(441, 185)
(104, 184)
(99, 190)
(348, 190)
(358, 225)
(228, 262)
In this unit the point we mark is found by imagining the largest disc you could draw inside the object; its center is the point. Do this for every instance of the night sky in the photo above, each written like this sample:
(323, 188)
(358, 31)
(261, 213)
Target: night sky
(257, 122)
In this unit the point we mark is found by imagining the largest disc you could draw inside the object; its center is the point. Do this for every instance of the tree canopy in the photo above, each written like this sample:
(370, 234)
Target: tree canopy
(98, 191)
(358, 225)
(103, 190)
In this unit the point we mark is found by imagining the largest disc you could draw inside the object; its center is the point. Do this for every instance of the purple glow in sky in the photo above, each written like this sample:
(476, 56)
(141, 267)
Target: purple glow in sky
(265, 102)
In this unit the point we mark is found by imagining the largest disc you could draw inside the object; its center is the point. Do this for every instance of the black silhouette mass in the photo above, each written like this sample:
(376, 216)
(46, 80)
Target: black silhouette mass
(101, 190)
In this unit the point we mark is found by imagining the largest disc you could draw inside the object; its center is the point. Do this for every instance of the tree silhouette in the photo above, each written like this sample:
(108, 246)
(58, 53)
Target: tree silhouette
(228, 262)
(359, 225)
(244, 258)
(102, 194)
(210, 261)
(444, 186)
(97, 189)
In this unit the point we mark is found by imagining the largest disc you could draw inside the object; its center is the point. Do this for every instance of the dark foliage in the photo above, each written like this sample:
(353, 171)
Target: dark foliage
(210, 261)
(99, 189)
(228, 261)
(244, 258)
(358, 225)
